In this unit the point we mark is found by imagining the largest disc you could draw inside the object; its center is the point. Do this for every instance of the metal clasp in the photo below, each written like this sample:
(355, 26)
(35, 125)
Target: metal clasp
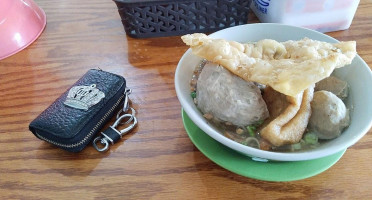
(106, 139)
(130, 127)
(104, 142)
(114, 134)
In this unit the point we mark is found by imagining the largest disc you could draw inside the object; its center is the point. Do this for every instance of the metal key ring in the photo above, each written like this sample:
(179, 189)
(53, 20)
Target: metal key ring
(103, 141)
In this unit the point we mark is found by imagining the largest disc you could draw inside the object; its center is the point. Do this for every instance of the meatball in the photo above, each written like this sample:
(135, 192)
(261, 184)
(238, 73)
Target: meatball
(335, 85)
(329, 115)
(228, 97)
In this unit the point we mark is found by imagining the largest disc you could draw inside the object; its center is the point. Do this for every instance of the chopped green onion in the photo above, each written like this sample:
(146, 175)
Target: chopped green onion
(258, 123)
(311, 138)
(193, 95)
(296, 146)
(251, 130)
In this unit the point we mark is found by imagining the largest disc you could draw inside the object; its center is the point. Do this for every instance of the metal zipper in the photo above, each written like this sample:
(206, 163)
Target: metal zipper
(91, 131)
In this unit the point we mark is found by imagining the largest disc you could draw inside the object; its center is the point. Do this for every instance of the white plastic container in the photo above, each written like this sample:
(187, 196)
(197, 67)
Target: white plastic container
(320, 15)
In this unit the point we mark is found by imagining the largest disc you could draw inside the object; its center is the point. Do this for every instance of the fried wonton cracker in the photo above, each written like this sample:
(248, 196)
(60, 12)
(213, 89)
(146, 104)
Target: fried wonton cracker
(287, 125)
(289, 67)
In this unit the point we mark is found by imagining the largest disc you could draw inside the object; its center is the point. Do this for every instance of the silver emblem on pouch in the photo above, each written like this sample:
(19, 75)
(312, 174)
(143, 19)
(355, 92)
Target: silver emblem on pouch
(84, 97)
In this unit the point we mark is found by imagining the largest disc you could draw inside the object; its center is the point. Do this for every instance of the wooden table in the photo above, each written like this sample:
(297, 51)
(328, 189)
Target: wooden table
(157, 160)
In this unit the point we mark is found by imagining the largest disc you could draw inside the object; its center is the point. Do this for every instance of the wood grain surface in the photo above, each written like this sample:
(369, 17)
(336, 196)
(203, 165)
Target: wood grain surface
(157, 160)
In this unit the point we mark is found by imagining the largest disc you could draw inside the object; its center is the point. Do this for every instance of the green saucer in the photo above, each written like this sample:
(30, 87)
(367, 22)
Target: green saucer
(245, 166)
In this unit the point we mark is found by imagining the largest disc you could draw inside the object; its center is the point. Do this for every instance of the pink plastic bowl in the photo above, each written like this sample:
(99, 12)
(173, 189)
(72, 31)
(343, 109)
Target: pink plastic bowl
(21, 23)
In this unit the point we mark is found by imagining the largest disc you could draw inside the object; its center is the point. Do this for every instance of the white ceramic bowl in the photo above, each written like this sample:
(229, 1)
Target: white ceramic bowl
(358, 75)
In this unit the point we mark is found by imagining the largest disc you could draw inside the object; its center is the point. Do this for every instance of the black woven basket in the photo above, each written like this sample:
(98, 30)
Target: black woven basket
(156, 18)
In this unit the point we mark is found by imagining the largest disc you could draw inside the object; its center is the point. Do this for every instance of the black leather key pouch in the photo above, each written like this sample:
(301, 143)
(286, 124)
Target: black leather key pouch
(77, 115)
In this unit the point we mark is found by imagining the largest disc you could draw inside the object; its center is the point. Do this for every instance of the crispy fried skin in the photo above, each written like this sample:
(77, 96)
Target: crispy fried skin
(289, 67)
(289, 126)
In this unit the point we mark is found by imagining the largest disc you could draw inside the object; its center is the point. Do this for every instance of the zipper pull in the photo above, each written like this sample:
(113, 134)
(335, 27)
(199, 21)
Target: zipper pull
(126, 105)
(126, 99)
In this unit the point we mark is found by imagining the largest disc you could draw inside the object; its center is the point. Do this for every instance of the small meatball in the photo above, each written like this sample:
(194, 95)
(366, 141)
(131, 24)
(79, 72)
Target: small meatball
(329, 115)
(335, 85)
(228, 97)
